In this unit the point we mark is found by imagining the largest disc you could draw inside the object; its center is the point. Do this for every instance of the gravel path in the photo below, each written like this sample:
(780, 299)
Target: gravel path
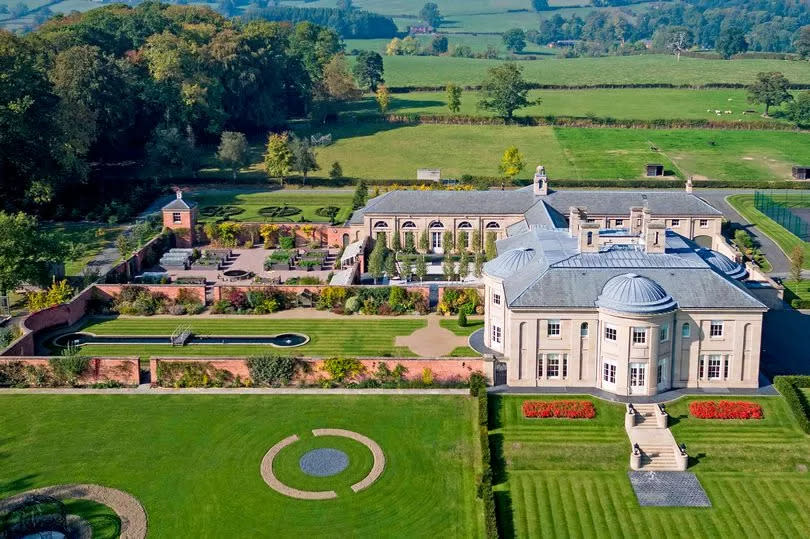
(128, 508)
(273, 482)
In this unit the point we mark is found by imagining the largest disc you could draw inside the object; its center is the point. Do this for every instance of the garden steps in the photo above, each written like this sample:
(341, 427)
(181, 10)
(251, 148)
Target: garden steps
(656, 443)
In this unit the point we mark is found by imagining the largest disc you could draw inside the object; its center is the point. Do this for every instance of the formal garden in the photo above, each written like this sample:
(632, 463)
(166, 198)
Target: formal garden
(440, 462)
(552, 472)
(263, 206)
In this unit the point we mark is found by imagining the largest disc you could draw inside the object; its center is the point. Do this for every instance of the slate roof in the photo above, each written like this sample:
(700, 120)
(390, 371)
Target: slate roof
(619, 202)
(179, 204)
(549, 211)
(562, 277)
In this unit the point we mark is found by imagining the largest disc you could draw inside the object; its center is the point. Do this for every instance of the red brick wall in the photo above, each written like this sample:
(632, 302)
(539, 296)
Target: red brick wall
(443, 369)
(188, 219)
(169, 290)
(123, 370)
(296, 289)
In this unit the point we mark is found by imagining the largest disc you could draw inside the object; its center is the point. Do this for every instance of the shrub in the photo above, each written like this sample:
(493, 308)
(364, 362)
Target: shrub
(725, 410)
(343, 369)
(193, 374)
(477, 383)
(273, 371)
(331, 297)
(352, 305)
(69, 367)
(462, 319)
(8, 334)
(789, 386)
(457, 299)
(559, 408)
(485, 481)
(13, 374)
(427, 376)
(286, 242)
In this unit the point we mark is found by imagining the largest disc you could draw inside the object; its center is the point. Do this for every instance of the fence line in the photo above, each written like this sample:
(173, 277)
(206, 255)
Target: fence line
(782, 214)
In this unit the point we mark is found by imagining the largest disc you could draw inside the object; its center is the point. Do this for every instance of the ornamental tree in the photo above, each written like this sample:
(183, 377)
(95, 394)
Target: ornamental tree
(232, 151)
(278, 157)
(453, 97)
(511, 162)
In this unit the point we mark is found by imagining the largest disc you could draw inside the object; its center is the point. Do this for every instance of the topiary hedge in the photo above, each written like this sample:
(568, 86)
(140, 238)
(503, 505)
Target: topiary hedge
(789, 387)
(485, 482)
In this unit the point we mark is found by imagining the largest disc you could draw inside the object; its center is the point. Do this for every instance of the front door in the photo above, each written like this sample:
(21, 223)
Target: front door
(662, 375)
(500, 373)
(436, 242)
(638, 378)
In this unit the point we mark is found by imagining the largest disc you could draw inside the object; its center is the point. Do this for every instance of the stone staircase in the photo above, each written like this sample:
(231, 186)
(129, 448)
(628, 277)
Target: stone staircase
(653, 446)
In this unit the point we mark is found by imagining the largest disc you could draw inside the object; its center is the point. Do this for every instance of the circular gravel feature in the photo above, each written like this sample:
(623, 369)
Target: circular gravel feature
(323, 462)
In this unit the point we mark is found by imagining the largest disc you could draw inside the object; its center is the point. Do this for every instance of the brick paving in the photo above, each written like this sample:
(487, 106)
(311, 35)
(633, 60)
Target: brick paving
(668, 489)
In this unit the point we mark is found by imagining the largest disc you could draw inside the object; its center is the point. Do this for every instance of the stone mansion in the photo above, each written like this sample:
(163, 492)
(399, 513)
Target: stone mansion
(625, 291)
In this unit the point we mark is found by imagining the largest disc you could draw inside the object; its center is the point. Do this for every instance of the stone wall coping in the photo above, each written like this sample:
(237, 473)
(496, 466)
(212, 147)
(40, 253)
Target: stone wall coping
(232, 391)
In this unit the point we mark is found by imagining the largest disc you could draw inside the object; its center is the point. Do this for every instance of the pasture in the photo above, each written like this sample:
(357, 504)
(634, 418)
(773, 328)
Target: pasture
(622, 104)
(193, 461)
(373, 151)
(420, 71)
(568, 477)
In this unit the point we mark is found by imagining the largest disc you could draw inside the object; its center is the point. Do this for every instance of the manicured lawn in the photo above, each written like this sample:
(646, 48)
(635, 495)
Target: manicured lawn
(472, 326)
(103, 520)
(252, 201)
(88, 240)
(438, 71)
(463, 351)
(624, 104)
(796, 290)
(193, 460)
(568, 477)
(352, 336)
(744, 204)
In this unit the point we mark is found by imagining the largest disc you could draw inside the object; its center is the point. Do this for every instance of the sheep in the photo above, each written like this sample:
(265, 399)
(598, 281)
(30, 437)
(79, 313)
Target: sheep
(729, 112)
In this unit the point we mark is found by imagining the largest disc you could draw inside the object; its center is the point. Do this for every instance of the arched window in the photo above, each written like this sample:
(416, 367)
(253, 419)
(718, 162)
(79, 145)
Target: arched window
(493, 224)
(590, 238)
(436, 224)
(380, 224)
(407, 225)
(686, 330)
(464, 225)
(583, 329)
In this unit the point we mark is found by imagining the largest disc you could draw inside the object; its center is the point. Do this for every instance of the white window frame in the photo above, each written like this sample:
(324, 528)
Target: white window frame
(553, 362)
(663, 332)
(553, 323)
(675, 222)
(609, 373)
(177, 218)
(497, 334)
(713, 332)
(703, 223)
(688, 333)
(611, 330)
(639, 336)
(714, 363)
(619, 222)
(496, 298)
(584, 329)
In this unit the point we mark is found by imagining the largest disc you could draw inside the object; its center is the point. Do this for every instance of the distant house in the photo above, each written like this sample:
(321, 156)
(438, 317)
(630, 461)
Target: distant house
(420, 30)
(801, 173)
(563, 43)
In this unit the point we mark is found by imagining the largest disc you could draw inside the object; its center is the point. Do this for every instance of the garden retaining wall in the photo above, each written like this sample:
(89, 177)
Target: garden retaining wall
(124, 370)
(442, 369)
(218, 290)
(171, 291)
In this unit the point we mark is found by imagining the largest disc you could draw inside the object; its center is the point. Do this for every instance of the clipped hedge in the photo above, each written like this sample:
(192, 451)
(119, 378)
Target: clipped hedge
(789, 386)
(485, 483)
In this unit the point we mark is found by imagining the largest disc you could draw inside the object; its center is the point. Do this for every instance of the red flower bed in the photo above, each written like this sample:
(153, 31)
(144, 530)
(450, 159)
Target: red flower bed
(725, 410)
(567, 409)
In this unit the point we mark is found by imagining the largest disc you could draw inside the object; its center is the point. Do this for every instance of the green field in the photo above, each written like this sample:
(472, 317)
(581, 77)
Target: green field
(567, 478)
(625, 104)
(744, 204)
(193, 460)
(328, 338)
(476, 42)
(643, 69)
(251, 201)
(375, 151)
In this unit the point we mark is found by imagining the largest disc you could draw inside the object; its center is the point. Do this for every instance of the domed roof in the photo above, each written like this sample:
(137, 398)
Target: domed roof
(509, 262)
(631, 293)
(724, 264)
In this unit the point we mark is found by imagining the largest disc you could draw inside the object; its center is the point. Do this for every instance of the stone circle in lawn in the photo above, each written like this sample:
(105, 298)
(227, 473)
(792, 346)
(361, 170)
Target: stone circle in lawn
(323, 462)
(377, 468)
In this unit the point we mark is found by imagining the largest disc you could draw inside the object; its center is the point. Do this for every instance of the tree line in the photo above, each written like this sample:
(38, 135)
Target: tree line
(156, 80)
(759, 25)
(348, 23)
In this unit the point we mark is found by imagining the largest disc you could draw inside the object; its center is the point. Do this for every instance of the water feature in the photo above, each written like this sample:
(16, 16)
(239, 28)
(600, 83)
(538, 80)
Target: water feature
(284, 340)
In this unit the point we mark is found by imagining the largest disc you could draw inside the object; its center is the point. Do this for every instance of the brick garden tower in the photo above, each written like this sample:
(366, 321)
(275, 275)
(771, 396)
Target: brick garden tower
(181, 217)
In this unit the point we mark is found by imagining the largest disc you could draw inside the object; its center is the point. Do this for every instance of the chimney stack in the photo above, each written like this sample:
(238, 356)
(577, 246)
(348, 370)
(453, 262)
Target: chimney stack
(589, 238)
(575, 218)
(689, 185)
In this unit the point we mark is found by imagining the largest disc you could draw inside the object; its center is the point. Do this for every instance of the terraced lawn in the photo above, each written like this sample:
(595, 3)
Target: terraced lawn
(567, 478)
(193, 460)
(328, 338)
(744, 204)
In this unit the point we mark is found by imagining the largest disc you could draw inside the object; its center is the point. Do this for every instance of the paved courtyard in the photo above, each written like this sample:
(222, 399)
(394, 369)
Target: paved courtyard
(668, 489)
